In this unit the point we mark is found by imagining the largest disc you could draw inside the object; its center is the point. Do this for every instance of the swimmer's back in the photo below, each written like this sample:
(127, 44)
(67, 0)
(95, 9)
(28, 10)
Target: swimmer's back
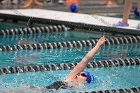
(58, 85)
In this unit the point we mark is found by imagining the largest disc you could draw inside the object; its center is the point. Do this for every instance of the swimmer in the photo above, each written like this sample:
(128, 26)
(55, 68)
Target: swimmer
(78, 75)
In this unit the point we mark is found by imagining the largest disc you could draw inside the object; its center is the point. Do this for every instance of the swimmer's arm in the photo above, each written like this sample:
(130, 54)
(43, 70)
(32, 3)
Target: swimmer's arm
(81, 65)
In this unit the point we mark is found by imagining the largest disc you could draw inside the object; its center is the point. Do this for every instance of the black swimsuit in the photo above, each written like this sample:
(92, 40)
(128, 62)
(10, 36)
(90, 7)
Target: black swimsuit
(58, 85)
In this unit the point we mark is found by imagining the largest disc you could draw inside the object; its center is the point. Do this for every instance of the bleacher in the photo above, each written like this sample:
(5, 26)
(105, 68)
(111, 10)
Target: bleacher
(90, 7)
(86, 6)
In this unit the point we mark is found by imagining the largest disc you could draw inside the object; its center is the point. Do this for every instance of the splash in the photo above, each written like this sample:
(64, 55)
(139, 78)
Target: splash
(26, 59)
(25, 41)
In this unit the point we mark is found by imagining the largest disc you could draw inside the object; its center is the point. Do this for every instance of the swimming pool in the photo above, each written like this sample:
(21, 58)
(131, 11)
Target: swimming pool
(57, 52)
(106, 79)
(47, 37)
(65, 55)
(4, 25)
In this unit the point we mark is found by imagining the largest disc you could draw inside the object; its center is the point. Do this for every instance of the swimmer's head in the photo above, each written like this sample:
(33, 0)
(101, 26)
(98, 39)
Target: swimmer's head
(89, 76)
(85, 76)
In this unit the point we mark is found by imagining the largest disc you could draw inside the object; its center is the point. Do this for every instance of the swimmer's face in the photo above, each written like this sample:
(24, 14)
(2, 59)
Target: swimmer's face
(81, 77)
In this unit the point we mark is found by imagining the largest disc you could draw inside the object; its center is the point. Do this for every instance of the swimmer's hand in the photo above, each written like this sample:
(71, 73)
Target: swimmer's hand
(101, 41)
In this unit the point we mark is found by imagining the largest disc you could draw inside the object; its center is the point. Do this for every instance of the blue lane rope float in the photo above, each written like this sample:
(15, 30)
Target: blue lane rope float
(71, 44)
(68, 66)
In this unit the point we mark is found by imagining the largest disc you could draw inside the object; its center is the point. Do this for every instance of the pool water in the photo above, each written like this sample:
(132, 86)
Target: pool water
(9, 25)
(48, 37)
(106, 78)
(66, 55)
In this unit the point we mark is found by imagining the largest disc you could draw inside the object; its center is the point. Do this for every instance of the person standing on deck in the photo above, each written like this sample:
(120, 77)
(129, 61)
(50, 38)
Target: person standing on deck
(7, 1)
(109, 2)
(29, 3)
(127, 9)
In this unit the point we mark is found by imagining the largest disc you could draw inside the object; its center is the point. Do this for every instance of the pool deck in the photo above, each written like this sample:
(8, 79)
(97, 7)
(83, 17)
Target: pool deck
(69, 17)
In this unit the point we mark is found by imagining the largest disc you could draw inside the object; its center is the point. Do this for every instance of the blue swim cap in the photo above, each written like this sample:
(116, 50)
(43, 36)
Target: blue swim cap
(89, 77)
(136, 12)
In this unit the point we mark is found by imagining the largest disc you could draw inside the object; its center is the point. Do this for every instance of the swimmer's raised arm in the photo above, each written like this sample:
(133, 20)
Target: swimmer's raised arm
(81, 65)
